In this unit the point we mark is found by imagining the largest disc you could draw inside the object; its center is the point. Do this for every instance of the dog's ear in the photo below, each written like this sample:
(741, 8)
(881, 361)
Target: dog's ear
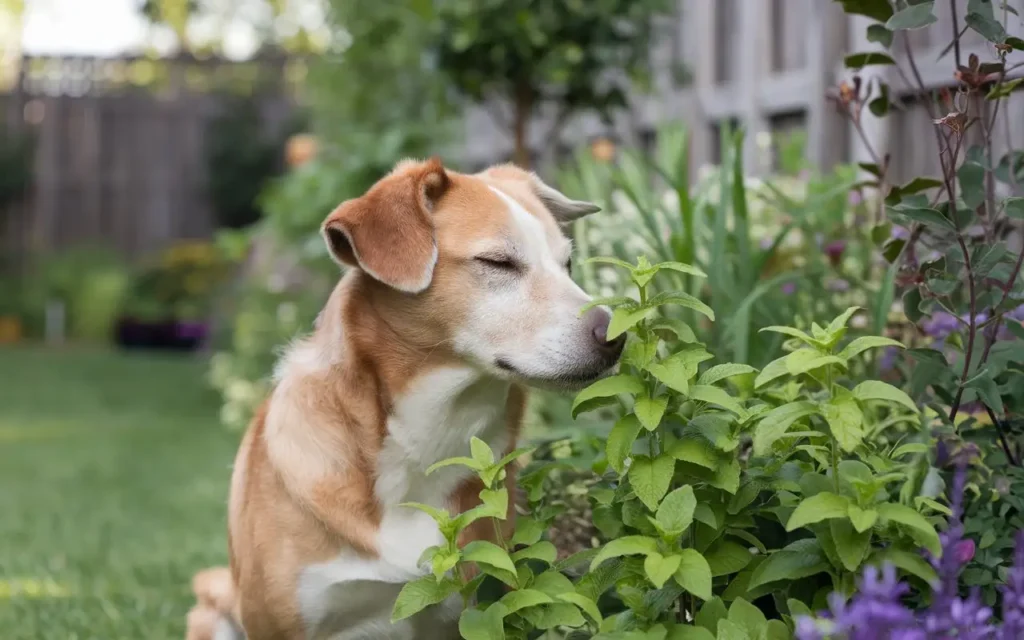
(563, 208)
(389, 233)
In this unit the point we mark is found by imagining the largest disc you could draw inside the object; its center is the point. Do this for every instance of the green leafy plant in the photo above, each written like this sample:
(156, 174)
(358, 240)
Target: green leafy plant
(717, 484)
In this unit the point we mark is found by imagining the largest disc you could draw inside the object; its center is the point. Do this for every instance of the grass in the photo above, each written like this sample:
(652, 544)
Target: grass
(113, 481)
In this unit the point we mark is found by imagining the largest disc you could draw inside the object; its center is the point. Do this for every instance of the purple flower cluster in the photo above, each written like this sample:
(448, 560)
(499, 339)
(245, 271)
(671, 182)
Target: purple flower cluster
(876, 611)
(940, 325)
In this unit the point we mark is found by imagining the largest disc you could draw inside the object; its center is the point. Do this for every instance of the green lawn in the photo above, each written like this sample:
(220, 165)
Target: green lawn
(113, 481)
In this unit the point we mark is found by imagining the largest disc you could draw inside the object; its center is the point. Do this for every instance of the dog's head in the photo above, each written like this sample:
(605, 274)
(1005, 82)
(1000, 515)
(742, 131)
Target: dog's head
(480, 264)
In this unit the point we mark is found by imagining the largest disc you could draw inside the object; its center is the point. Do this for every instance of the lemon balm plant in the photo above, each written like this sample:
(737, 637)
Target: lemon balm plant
(717, 485)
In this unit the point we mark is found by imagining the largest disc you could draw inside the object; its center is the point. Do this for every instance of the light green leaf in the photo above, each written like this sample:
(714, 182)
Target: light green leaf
(682, 300)
(913, 447)
(624, 319)
(495, 501)
(650, 478)
(851, 545)
(676, 511)
(483, 552)
(776, 422)
(729, 630)
(727, 476)
(920, 529)
(723, 371)
(864, 343)
(795, 333)
(515, 454)
(543, 551)
(687, 632)
(877, 390)
(747, 616)
(553, 583)
(650, 410)
(620, 441)
(806, 360)
(419, 594)
(694, 574)
(704, 513)
(846, 421)
(659, 568)
(912, 563)
(774, 370)
(585, 604)
(821, 506)
(522, 598)
(914, 16)
(604, 391)
(676, 370)
(725, 557)
(682, 331)
(682, 268)
(482, 452)
(440, 516)
(528, 531)
(625, 546)
(462, 461)
(862, 519)
(718, 396)
(612, 301)
(612, 261)
(694, 451)
(475, 624)
(838, 325)
(442, 563)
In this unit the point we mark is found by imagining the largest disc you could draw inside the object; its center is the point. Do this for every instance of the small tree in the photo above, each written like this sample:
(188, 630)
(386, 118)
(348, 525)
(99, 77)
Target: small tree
(577, 54)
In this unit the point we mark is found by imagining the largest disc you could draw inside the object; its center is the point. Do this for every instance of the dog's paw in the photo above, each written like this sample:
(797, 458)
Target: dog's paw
(404, 535)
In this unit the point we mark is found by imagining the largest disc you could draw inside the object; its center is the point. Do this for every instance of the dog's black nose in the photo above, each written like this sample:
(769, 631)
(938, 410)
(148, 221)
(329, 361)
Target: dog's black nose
(597, 320)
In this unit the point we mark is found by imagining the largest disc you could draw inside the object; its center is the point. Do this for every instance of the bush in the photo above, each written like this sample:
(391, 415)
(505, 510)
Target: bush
(716, 484)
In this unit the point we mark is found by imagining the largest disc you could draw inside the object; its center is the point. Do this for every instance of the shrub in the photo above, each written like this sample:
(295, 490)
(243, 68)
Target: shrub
(716, 484)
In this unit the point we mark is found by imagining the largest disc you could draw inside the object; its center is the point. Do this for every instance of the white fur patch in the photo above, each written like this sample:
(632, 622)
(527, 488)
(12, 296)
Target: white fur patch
(433, 421)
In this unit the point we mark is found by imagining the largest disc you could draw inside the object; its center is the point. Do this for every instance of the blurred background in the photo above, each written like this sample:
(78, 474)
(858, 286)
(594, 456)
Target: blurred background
(165, 164)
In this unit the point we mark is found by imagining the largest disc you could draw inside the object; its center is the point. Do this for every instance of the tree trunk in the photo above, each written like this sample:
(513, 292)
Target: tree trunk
(521, 126)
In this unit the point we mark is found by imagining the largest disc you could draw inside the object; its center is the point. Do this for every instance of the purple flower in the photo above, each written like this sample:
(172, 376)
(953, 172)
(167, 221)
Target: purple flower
(963, 551)
(789, 288)
(834, 250)
(855, 198)
(888, 359)
(900, 233)
(1013, 596)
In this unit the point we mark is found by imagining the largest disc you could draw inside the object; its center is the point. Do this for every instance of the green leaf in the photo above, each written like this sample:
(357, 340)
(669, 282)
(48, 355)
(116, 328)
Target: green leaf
(604, 391)
(986, 388)
(822, 506)
(419, 594)
(676, 370)
(774, 370)
(675, 513)
(620, 441)
(879, 10)
(725, 557)
(625, 546)
(798, 560)
(682, 300)
(694, 574)
(867, 59)
(475, 624)
(682, 268)
(718, 396)
(972, 183)
(440, 516)
(990, 29)
(461, 461)
(659, 569)
(1014, 208)
(915, 16)
(585, 604)
(862, 519)
(728, 630)
(650, 478)
(926, 216)
(851, 545)
(710, 613)
(686, 632)
(543, 551)
(864, 343)
(549, 616)
(776, 422)
(920, 529)
(481, 452)
(845, 419)
(528, 531)
(488, 553)
(912, 563)
(794, 333)
(612, 261)
(611, 301)
(522, 598)
(747, 616)
(806, 360)
(682, 331)
(877, 390)
(650, 411)
(554, 583)
(881, 35)
(721, 372)
(624, 319)
(694, 451)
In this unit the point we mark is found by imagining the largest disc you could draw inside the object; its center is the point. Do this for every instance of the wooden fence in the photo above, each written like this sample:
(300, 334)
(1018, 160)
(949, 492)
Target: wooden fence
(120, 148)
(767, 65)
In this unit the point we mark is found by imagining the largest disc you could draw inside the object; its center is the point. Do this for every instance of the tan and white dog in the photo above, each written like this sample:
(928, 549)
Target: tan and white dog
(459, 296)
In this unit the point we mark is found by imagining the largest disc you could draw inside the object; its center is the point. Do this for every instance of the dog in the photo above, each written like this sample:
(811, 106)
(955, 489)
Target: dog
(457, 297)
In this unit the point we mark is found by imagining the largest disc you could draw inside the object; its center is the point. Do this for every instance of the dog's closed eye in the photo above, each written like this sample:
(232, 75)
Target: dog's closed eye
(499, 262)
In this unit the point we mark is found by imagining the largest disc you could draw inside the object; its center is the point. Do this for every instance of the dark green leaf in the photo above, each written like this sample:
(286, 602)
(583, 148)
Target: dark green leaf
(867, 59)
(881, 35)
(725, 557)
(879, 10)
(620, 441)
(850, 544)
(914, 16)
(822, 506)
(420, 594)
(989, 28)
(1014, 208)
(924, 215)
(475, 624)
(972, 183)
